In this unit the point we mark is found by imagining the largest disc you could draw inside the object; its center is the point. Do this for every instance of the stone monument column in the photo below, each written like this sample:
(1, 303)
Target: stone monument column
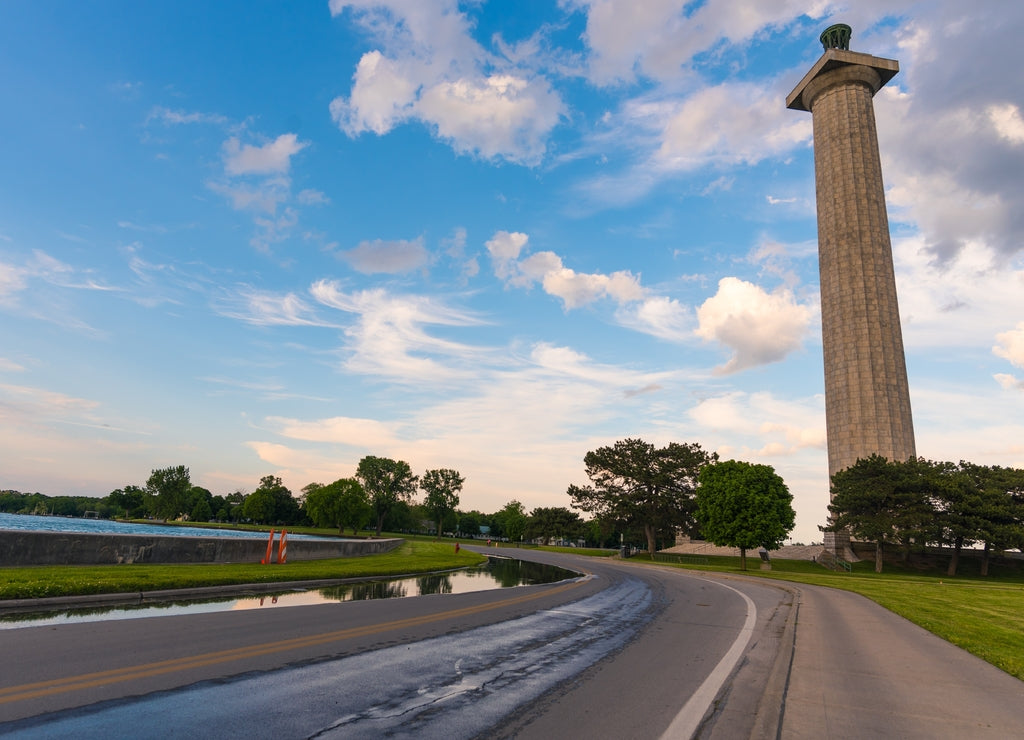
(867, 396)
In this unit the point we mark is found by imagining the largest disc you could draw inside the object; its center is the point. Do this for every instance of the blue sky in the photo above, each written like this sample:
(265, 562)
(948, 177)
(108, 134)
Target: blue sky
(266, 238)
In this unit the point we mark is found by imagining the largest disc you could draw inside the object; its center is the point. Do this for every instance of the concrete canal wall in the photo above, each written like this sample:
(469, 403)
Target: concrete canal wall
(74, 548)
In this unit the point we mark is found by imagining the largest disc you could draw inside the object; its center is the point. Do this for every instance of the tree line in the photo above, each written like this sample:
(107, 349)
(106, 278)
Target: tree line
(919, 503)
(913, 504)
(683, 488)
(638, 493)
(381, 495)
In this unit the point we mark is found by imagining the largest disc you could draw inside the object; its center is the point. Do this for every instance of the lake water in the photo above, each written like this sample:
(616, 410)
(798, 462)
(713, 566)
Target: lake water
(495, 573)
(106, 526)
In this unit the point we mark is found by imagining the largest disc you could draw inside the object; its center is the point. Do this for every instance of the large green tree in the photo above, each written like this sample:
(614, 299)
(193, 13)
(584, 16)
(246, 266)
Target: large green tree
(878, 499)
(975, 504)
(743, 505)
(1003, 514)
(470, 521)
(512, 521)
(170, 488)
(271, 503)
(441, 486)
(558, 522)
(200, 504)
(636, 483)
(958, 498)
(387, 482)
(340, 504)
(132, 499)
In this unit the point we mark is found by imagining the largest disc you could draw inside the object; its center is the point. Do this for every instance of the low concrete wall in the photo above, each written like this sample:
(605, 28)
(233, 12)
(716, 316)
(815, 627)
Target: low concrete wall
(73, 548)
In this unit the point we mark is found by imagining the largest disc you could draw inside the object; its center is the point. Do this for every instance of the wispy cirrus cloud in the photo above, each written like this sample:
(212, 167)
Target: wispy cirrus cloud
(12, 282)
(388, 334)
(268, 308)
(173, 117)
(39, 287)
(268, 390)
(44, 402)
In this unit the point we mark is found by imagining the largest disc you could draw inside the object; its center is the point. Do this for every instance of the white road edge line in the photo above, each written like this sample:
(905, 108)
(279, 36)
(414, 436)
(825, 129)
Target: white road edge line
(689, 718)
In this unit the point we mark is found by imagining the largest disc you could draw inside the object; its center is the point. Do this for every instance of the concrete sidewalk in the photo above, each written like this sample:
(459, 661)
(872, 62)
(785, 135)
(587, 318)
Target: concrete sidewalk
(860, 671)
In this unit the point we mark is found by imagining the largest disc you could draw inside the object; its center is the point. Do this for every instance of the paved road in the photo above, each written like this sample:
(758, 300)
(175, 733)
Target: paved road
(631, 651)
(629, 646)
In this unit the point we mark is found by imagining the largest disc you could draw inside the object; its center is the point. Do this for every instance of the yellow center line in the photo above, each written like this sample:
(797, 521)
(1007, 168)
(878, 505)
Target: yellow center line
(131, 673)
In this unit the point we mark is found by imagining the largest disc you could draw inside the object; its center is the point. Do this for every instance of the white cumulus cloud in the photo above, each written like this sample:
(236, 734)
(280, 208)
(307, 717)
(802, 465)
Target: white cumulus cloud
(1011, 345)
(381, 97)
(1009, 382)
(504, 248)
(497, 116)
(271, 158)
(659, 316)
(430, 69)
(1008, 122)
(759, 327)
(637, 308)
(656, 38)
(574, 289)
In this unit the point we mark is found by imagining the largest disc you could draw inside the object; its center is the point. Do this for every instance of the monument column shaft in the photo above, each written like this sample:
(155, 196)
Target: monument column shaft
(867, 396)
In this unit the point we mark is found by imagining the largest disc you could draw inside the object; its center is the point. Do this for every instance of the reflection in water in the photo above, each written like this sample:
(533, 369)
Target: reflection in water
(365, 591)
(509, 572)
(99, 613)
(435, 583)
(495, 573)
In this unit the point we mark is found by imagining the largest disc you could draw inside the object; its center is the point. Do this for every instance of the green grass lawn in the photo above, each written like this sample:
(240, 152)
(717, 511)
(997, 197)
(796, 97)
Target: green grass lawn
(60, 580)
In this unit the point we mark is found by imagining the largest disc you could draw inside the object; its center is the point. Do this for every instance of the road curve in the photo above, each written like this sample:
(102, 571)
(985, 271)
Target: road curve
(629, 651)
(629, 645)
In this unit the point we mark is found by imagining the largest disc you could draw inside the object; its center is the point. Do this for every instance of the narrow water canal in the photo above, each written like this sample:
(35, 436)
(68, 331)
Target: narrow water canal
(497, 572)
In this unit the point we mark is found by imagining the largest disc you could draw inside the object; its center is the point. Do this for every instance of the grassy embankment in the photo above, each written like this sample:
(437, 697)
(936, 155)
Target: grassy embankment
(415, 556)
(983, 615)
(419, 554)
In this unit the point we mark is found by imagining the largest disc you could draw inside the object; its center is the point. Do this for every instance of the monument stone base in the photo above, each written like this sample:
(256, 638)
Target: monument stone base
(838, 543)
